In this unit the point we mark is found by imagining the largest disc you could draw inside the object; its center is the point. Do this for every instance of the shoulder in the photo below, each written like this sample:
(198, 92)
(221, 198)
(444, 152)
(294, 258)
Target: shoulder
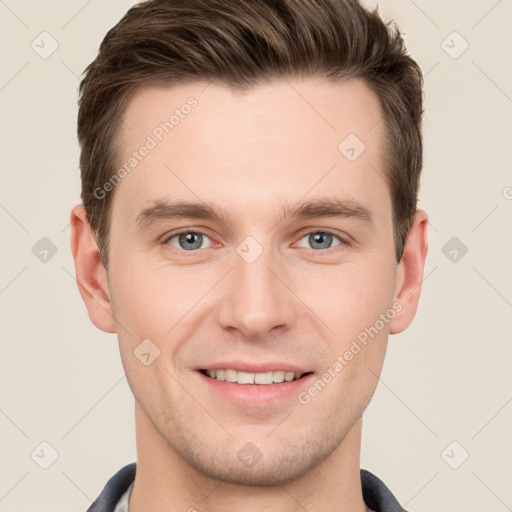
(114, 489)
(376, 494)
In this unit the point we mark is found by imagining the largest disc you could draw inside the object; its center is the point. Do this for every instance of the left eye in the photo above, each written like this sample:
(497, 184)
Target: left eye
(321, 239)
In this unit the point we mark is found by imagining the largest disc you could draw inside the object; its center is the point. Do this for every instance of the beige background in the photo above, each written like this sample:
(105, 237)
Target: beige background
(447, 378)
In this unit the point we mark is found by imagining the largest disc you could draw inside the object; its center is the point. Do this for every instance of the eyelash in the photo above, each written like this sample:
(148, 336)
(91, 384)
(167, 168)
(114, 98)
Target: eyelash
(324, 232)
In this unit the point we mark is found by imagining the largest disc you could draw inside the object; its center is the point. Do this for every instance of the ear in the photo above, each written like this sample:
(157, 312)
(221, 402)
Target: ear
(410, 273)
(90, 272)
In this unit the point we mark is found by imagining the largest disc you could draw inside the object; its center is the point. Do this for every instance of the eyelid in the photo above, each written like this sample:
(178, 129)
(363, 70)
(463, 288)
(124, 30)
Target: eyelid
(310, 231)
(300, 236)
(173, 234)
(344, 237)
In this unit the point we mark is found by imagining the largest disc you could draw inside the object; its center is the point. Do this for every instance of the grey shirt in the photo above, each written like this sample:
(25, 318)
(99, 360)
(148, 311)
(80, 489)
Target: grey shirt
(116, 493)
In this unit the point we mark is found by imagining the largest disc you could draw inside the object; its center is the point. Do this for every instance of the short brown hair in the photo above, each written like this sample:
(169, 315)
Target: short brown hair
(241, 44)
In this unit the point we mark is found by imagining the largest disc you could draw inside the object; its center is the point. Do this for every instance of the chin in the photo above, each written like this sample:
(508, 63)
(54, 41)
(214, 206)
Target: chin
(253, 466)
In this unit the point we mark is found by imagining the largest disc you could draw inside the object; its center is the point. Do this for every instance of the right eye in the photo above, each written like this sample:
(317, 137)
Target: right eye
(187, 240)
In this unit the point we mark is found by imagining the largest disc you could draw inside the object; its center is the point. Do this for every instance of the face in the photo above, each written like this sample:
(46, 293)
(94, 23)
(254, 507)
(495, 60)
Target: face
(278, 271)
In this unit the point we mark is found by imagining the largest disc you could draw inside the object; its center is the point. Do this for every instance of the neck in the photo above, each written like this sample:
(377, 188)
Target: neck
(164, 481)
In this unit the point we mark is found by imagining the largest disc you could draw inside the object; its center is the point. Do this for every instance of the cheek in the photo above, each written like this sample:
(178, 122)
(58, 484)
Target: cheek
(147, 307)
(362, 327)
(359, 310)
(156, 303)
(353, 296)
(149, 301)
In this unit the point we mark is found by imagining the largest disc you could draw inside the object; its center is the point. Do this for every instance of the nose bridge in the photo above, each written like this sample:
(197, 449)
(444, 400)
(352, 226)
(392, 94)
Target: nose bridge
(256, 301)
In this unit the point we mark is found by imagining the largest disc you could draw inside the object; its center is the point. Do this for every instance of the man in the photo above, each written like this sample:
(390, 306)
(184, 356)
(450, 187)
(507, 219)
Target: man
(249, 230)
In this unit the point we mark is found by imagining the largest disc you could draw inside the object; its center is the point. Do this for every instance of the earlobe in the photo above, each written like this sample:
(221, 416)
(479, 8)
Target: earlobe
(90, 272)
(410, 273)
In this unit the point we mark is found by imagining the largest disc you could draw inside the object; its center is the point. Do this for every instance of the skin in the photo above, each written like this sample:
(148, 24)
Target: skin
(254, 152)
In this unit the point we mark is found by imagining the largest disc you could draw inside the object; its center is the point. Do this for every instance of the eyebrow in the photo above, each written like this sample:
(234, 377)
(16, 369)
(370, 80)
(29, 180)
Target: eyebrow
(320, 207)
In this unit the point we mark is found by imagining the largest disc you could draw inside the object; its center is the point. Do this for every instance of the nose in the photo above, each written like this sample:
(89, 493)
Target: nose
(257, 298)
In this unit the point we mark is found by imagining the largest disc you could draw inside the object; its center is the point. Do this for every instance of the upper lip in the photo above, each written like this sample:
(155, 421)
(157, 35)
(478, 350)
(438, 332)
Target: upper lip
(255, 367)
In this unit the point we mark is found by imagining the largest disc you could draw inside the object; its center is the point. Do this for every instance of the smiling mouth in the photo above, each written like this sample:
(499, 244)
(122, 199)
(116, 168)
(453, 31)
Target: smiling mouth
(264, 378)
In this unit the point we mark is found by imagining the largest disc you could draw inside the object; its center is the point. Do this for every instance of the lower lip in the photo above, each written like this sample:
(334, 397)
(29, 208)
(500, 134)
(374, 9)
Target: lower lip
(256, 394)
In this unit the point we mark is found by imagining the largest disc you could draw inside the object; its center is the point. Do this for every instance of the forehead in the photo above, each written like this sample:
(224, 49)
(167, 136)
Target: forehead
(326, 105)
(277, 141)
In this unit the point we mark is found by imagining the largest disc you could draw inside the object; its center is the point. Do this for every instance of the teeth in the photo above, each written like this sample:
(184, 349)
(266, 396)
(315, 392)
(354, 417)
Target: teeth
(253, 378)
(264, 378)
(230, 375)
(278, 376)
(245, 378)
